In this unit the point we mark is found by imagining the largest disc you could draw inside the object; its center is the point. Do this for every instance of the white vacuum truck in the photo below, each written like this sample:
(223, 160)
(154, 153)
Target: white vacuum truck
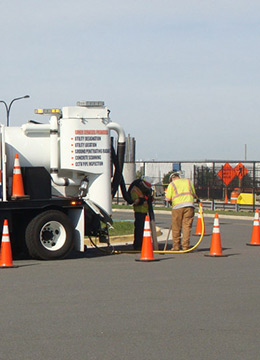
(67, 176)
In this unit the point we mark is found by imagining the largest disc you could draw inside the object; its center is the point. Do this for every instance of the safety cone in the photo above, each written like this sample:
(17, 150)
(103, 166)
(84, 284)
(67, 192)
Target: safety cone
(17, 186)
(255, 237)
(199, 224)
(215, 247)
(147, 246)
(6, 260)
(226, 199)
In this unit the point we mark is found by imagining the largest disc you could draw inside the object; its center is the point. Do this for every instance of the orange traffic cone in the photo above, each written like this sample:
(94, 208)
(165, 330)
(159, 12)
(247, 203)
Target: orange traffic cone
(226, 199)
(199, 224)
(6, 260)
(147, 246)
(255, 238)
(17, 186)
(215, 247)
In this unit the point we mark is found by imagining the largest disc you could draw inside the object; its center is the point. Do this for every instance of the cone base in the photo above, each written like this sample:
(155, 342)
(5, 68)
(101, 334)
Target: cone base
(20, 197)
(147, 260)
(215, 255)
(253, 244)
(201, 234)
(8, 267)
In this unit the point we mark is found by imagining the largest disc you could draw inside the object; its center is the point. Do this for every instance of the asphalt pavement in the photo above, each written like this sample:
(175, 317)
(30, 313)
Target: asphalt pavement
(97, 306)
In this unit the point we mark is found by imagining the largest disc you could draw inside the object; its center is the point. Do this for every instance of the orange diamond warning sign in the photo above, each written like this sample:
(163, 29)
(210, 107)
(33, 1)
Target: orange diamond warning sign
(227, 173)
(240, 170)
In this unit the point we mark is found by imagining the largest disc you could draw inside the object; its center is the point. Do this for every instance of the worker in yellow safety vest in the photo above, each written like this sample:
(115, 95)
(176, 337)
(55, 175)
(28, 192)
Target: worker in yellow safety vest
(140, 190)
(181, 194)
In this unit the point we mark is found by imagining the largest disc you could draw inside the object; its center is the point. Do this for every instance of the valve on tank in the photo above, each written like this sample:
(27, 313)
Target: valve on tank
(83, 189)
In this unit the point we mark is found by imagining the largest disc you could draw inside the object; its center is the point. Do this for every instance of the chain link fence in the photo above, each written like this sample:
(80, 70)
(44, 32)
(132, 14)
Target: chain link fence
(214, 181)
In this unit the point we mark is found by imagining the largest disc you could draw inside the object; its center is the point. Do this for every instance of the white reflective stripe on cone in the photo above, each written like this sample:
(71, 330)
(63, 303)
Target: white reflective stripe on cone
(216, 222)
(5, 235)
(147, 233)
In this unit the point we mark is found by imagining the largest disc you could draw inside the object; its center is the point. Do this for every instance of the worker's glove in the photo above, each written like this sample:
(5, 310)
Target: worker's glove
(197, 201)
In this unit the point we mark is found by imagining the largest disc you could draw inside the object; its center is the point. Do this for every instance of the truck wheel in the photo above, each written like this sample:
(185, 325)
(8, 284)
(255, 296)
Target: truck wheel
(50, 235)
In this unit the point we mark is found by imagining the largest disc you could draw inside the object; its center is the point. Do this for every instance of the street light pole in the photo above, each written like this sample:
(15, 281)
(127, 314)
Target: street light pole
(8, 107)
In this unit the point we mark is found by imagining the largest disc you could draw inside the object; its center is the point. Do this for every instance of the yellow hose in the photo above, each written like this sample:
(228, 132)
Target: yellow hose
(193, 247)
(174, 251)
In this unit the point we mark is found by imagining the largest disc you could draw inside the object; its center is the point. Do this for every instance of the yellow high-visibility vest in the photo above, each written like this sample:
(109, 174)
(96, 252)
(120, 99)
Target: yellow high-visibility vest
(135, 194)
(180, 191)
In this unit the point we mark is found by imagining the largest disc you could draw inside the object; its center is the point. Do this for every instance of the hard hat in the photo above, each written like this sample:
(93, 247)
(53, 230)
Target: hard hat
(174, 174)
(147, 181)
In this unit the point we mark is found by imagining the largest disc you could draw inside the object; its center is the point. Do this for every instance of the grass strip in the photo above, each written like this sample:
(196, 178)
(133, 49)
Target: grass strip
(122, 228)
(205, 211)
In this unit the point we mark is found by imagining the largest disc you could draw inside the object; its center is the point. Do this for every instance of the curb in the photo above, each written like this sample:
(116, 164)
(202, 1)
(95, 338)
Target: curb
(164, 212)
(117, 239)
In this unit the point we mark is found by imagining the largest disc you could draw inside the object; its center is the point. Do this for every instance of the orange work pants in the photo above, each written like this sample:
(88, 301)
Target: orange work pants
(182, 219)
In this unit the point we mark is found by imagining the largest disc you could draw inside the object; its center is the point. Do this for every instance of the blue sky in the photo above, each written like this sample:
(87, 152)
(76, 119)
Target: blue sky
(182, 77)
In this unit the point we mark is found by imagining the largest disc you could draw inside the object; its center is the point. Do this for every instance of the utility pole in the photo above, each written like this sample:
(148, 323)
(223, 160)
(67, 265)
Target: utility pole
(8, 107)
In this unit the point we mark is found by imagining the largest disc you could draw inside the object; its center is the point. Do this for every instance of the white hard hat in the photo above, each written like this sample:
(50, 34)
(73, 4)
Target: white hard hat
(147, 181)
(174, 174)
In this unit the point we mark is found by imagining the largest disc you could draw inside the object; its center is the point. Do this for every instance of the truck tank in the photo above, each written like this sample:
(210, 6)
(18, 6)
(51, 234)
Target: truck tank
(74, 144)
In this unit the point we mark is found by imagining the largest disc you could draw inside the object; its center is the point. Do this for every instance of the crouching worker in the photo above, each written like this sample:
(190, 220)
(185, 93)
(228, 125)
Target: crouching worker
(180, 194)
(140, 190)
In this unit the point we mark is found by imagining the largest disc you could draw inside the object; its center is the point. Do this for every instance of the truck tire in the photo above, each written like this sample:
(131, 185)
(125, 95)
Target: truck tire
(49, 236)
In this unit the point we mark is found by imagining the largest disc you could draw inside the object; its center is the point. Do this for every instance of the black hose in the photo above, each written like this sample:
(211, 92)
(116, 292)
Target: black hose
(118, 161)
(109, 252)
(125, 193)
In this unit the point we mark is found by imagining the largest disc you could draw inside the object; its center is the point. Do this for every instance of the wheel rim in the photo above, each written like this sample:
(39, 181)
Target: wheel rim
(53, 235)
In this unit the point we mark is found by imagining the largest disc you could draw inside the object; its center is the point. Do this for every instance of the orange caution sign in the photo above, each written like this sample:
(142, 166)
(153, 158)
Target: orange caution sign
(227, 173)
